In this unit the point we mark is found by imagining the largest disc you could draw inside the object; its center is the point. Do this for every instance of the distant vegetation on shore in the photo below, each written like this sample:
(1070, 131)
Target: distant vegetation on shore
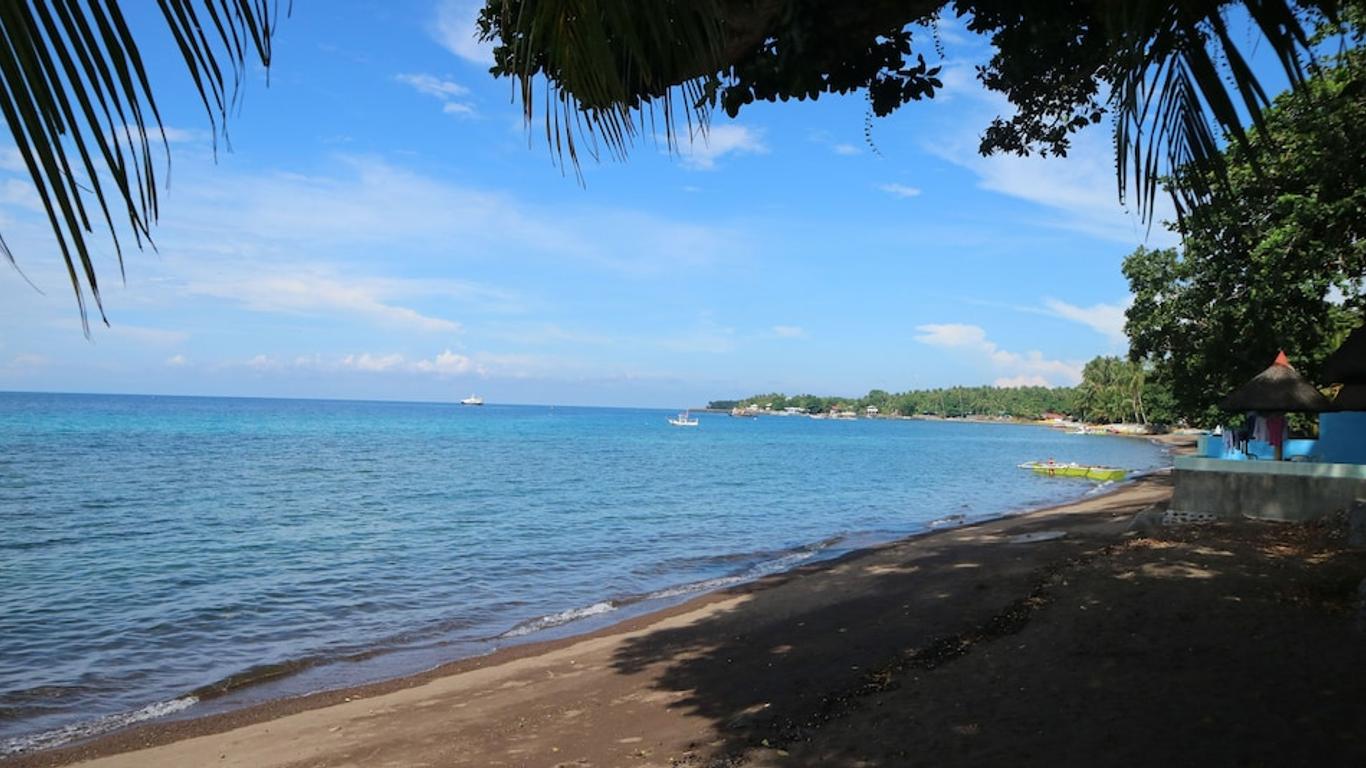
(1112, 390)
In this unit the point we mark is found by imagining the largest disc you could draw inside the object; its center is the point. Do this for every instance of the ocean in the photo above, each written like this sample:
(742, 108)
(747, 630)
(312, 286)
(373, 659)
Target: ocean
(177, 556)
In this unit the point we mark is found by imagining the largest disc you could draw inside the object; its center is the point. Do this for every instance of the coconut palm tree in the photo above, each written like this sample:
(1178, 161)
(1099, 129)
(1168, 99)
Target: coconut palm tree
(80, 106)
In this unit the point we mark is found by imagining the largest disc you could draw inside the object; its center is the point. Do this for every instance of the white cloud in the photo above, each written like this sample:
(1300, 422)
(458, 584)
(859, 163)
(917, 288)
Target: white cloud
(456, 30)
(373, 204)
(951, 335)
(1105, 319)
(442, 365)
(317, 291)
(375, 363)
(1016, 367)
(449, 363)
(900, 190)
(448, 92)
(1078, 191)
(1015, 382)
(176, 361)
(433, 85)
(788, 332)
(952, 30)
(848, 150)
(185, 136)
(705, 148)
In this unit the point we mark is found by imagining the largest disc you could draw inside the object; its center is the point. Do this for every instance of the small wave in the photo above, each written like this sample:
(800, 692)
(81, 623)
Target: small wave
(67, 733)
(695, 587)
(948, 521)
(787, 561)
(784, 562)
(1104, 487)
(563, 617)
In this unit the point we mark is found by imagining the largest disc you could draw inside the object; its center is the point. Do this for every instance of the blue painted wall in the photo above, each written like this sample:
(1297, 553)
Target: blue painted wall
(1342, 437)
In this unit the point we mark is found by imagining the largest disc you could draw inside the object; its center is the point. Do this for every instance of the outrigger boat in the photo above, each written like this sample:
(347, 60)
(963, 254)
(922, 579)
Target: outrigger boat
(683, 420)
(1054, 469)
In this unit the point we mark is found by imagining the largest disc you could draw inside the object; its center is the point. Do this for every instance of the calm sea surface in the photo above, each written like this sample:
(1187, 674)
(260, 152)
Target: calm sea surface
(175, 556)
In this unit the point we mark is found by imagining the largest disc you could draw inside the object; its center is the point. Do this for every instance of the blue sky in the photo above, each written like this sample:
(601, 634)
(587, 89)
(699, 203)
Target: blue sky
(385, 227)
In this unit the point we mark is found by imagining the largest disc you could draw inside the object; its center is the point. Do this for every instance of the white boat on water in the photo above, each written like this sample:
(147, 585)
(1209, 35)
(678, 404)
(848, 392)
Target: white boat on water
(472, 400)
(683, 420)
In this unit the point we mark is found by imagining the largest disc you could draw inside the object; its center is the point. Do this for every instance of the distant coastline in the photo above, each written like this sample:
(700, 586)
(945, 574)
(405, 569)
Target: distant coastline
(1061, 422)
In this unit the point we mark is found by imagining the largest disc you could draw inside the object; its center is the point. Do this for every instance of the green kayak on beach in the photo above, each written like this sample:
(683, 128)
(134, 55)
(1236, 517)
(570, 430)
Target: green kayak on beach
(1054, 469)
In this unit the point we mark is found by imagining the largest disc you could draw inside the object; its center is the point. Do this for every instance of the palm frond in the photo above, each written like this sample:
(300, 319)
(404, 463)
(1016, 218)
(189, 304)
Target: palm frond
(609, 71)
(1172, 98)
(78, 102)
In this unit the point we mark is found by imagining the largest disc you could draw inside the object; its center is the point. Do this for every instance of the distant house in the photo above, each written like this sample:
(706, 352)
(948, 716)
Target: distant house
(794, 410)
(871, 410)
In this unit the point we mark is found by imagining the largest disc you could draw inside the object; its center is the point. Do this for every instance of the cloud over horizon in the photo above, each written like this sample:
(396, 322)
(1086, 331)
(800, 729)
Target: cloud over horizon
(1018, 369)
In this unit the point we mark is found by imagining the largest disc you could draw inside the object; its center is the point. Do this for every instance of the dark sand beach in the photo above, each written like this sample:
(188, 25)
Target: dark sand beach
(1225, 644)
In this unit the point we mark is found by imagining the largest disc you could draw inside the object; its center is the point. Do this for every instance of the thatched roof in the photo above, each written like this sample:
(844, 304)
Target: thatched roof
(1347, 365)
(1278, 389)
(1351, 398)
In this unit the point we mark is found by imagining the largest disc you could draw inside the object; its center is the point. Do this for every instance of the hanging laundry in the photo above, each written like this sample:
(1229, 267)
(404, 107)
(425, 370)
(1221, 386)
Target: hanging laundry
(1276, 429)
(1260, 432)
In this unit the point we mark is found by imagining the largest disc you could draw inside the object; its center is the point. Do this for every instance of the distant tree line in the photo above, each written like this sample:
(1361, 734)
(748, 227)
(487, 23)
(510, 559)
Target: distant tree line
(1112, 390)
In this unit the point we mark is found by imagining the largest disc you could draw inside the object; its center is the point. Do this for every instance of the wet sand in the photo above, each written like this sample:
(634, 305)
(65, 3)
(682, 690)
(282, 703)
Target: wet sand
(1219, 645)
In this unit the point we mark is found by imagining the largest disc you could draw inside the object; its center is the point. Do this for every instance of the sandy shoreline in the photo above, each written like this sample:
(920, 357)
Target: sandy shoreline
(213, 732)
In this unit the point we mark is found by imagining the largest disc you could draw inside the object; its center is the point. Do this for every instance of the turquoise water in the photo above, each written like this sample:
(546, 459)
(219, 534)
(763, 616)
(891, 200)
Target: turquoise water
(158, 554)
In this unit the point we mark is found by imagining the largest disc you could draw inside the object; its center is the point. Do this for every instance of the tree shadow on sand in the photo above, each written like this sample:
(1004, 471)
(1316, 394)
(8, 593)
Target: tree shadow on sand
(1224, 645)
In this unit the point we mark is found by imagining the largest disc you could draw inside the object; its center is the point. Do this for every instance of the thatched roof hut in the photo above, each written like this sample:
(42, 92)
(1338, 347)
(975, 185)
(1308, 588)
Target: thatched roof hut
(1278, 389)
(1347, 365)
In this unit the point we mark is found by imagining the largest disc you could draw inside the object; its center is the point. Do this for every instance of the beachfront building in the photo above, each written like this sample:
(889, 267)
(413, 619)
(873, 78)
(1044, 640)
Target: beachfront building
(1267, 476)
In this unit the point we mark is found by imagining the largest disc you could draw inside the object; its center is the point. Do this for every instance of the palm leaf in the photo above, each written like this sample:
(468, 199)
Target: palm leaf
(609, 71)
(1172, 100)
(78, 103)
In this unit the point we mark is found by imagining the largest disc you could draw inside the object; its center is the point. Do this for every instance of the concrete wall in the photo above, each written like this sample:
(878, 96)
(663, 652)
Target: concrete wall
(1266, 490)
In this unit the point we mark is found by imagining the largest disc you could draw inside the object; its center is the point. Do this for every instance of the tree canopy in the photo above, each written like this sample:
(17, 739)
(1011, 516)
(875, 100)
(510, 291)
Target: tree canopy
(1168, 72)
(1274, 260)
